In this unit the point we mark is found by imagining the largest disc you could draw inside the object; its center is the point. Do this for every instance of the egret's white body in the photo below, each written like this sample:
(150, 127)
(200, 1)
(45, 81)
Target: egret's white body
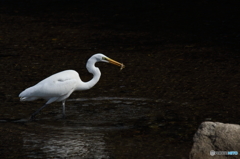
(54, 88)
(58, 87)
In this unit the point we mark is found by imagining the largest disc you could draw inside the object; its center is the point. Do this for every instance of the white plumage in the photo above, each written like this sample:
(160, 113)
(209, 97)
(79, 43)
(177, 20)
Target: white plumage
(58, 87)
(54, 88)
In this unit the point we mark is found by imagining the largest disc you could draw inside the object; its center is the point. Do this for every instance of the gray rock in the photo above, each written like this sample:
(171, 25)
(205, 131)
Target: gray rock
(217, 137)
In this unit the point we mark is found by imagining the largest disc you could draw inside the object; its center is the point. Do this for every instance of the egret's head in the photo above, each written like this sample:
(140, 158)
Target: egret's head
(102, 58)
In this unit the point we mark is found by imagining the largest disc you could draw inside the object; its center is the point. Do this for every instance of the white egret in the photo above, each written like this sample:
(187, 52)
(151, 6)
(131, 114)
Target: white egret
(58, 87)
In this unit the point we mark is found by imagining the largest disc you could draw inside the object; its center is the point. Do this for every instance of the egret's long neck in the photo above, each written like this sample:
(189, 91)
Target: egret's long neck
(93, 70)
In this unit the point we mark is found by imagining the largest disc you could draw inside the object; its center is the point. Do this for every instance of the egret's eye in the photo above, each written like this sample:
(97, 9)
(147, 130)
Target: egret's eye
(104, 58)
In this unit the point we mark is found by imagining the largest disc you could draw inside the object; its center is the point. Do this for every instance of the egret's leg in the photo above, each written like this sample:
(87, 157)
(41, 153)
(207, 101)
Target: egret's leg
(34, 114)
(63, 104)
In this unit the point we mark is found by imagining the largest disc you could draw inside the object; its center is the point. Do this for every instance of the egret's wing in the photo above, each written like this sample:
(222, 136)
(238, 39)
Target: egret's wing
(51, 88)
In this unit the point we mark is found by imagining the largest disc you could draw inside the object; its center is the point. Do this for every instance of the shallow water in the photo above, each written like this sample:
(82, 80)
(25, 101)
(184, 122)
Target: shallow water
(65, 142)
(94, 128)
(81, 136)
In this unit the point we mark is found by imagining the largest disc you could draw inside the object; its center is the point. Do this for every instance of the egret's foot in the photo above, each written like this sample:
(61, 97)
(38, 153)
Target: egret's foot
(32, 117)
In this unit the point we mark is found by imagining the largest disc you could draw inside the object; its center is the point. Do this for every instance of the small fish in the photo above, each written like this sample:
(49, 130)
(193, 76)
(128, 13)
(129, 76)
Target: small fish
(122, 67)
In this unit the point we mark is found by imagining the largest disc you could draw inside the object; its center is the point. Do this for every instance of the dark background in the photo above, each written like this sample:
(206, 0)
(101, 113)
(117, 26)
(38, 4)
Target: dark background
(182, 51)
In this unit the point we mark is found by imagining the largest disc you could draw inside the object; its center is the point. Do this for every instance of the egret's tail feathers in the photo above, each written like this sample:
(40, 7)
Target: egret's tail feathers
(28, 95)
(28, 98)
(22, 98)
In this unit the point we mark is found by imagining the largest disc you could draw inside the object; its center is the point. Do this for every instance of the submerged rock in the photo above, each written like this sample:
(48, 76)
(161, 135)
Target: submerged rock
(217, 138)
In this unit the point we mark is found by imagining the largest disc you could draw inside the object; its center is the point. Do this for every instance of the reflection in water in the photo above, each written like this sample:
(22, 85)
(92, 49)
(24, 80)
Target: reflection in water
(82, 134)
(65, 144)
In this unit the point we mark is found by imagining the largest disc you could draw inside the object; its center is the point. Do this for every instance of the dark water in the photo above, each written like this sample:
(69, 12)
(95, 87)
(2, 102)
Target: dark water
(85, 134)
(102, 127)
(182, 68)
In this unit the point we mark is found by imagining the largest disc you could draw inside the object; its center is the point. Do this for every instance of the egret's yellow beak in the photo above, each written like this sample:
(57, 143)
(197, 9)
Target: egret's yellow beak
(115, 62)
